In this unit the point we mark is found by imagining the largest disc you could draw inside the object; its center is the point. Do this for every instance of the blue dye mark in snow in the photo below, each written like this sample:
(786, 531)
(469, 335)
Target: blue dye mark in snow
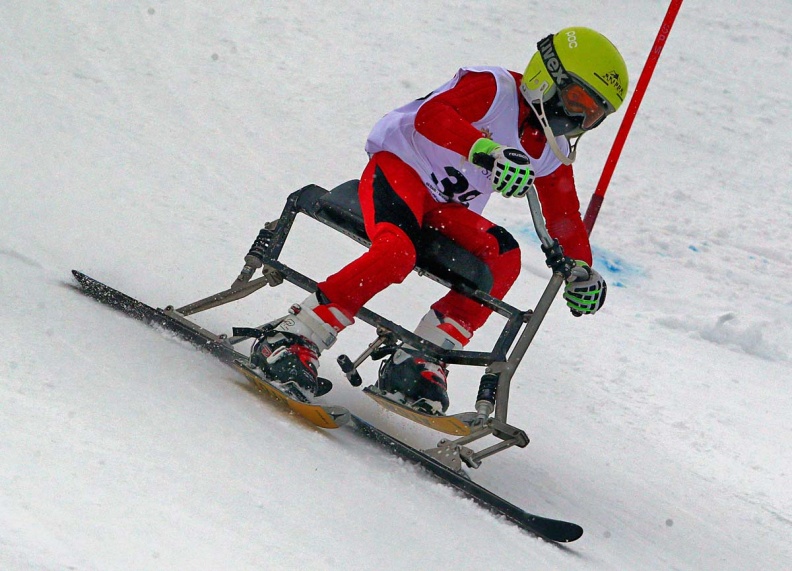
(693, 248)
(617, 271)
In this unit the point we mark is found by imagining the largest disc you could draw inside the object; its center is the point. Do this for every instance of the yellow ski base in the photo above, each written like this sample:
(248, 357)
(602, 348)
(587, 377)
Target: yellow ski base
(320, 415)
(453, 425)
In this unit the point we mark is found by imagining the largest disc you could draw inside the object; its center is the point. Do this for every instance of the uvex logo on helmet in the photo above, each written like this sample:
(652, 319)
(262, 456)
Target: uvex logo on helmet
(551, 61)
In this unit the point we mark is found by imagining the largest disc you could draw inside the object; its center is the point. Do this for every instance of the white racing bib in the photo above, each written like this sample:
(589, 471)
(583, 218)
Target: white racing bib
(447, 175)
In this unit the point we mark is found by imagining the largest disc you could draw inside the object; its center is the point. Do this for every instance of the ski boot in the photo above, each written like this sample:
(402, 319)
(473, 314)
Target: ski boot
(415, 380)
(288, 351)
(289, 360)
(418, 380)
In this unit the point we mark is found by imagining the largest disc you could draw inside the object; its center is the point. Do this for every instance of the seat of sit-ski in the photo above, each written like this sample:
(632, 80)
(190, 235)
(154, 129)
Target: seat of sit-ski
(437, 255)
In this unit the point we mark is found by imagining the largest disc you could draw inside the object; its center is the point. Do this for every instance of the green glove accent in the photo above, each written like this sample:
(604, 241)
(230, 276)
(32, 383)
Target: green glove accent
(484, 147)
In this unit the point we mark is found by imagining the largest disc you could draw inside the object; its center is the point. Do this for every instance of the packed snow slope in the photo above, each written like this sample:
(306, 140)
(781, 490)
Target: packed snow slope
(146, 142)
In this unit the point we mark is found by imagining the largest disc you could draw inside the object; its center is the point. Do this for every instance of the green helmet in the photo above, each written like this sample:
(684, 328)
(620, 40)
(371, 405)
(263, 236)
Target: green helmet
(575, 79)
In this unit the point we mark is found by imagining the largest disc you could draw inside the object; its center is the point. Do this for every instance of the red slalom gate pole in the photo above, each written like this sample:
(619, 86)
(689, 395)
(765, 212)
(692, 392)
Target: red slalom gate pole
(632, 110)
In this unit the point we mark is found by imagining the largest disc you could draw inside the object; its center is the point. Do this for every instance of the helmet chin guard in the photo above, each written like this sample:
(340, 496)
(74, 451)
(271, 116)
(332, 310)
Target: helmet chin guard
(538, 95)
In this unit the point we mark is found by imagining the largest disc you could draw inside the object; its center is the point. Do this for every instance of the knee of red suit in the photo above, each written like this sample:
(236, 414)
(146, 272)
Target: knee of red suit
(397, 251)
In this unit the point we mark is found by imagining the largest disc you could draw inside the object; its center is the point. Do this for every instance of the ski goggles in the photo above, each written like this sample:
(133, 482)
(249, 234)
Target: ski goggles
(578, 102)
(576, 97)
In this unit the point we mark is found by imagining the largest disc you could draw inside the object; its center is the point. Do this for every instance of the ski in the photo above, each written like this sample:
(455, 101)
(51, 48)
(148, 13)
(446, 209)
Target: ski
(551, 529)
(332, 416)
(455, 425)
(323, 416)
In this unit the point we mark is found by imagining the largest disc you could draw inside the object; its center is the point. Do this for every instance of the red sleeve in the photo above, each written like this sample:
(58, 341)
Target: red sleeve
(561, 210)
(446, 118)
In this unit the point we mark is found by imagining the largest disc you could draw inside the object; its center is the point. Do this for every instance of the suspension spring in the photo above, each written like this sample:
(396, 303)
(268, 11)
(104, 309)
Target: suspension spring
(261, 245)
(488, 387)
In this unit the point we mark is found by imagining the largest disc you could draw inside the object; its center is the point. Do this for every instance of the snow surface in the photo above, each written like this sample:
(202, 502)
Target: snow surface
(145, 143)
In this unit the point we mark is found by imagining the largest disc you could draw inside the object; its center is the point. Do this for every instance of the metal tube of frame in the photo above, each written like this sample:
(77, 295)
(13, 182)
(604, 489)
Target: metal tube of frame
(528, 334)
(506, 370)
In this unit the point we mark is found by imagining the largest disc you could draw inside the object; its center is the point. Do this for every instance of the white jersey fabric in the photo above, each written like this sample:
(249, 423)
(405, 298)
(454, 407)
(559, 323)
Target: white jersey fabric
(447, 175)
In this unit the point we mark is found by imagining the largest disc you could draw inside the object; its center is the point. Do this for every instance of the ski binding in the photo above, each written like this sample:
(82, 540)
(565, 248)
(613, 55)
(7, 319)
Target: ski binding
(455, 425)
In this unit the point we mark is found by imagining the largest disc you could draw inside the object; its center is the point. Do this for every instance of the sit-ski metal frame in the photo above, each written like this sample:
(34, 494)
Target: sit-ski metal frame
(439, 259)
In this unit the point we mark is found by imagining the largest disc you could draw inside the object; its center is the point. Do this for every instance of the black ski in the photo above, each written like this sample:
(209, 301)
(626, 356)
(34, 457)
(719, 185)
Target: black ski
(156, 318)
(321, 415)
(550, 529)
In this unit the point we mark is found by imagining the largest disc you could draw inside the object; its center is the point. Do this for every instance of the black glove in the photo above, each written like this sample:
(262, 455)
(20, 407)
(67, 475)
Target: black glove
(585, 290)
